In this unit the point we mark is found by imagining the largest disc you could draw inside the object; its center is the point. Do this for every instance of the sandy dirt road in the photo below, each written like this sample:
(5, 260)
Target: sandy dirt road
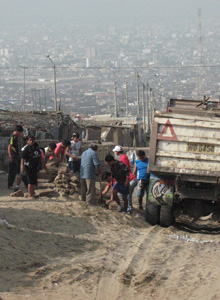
(59, 248)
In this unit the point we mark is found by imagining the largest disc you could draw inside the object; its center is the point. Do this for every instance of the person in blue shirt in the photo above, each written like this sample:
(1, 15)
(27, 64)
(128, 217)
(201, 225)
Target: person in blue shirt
(89, 163)
(140, 169)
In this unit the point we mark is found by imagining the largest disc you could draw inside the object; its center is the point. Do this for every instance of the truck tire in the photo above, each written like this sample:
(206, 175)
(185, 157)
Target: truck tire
(152, 213)
(166, 216)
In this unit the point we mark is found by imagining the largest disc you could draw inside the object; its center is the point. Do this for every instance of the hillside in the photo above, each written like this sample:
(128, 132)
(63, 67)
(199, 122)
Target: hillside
(60, 248)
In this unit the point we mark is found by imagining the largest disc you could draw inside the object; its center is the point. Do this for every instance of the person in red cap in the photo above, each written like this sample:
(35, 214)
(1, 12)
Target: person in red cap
(132, 178)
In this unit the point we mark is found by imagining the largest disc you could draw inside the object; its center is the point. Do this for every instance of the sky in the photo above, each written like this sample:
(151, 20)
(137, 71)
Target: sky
(103, 12)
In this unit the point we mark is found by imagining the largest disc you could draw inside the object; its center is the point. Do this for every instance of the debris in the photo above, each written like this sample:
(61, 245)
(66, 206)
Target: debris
(4, 222)
(205, 218)
(187, 238)
(17, 194)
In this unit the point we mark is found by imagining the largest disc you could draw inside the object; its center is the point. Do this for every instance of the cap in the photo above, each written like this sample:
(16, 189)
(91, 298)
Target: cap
(75, 135)
(117, 149)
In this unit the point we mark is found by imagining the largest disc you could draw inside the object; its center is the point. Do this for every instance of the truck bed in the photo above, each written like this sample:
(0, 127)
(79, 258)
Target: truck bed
(184, 145)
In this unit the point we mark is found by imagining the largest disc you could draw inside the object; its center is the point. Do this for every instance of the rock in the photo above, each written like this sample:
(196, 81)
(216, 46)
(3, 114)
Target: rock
(65, 177)
(43, 180)
(44, 192)
(46, 185)
(17, 194)
(62, 170)
(74, 179)
(71, 191)
(73, 184)
(59, 177)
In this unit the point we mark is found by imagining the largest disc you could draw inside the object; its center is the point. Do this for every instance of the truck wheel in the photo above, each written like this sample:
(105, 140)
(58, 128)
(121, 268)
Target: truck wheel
(152, 213)
(166, 215)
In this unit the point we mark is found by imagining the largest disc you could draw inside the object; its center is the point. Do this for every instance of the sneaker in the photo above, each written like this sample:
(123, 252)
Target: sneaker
(119, 209)
(129, 212)
(124, 213)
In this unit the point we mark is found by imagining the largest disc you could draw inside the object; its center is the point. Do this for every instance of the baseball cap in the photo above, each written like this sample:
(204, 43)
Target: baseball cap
(75, 134)
(117, 149)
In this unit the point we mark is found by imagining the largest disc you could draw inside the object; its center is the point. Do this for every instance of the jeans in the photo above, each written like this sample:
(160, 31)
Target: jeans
(133, 184)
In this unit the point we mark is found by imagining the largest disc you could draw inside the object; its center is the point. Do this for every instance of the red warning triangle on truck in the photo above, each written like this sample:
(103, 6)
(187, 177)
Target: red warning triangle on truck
(168, 132)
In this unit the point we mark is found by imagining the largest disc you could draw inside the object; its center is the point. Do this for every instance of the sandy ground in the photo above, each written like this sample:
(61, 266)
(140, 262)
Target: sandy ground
(59, 248)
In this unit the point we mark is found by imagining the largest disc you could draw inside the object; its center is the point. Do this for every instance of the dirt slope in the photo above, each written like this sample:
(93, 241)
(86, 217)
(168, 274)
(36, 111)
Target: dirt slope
(59, 248)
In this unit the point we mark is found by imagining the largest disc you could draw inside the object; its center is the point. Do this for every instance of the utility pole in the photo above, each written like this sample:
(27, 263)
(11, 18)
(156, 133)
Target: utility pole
(45, 99)
(151, 107)
(126, 94)
(144, 124)
(138, 97)
(148, 108)
(39, 98)
(55, 84)
(115, 99)
(32, 98)
(24, 92)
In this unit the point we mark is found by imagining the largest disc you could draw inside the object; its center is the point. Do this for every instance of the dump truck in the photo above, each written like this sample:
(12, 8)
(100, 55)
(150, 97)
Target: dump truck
(184, 161)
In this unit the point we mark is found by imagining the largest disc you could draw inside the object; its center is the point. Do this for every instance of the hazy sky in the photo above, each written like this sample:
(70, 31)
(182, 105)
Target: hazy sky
(19, 12)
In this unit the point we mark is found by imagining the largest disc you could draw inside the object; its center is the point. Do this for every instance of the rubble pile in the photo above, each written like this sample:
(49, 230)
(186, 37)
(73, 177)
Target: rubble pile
(66, 183)
(57, 181)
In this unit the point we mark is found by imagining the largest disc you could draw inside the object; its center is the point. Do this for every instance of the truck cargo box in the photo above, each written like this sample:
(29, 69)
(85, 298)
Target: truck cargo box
(187, 146)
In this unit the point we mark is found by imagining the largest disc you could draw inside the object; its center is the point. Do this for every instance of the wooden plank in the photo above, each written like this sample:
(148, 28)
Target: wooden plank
(176, 171)
(192, 139)
(181, 131)
(186, 117)
(188, 164)
(188, 123)
(190, 156)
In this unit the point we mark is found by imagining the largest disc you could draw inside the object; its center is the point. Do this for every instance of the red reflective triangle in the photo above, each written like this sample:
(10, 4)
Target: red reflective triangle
(163, 136)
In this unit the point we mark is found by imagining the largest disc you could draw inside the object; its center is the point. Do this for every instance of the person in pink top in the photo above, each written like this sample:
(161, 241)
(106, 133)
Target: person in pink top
(132, 178)
(60, 150)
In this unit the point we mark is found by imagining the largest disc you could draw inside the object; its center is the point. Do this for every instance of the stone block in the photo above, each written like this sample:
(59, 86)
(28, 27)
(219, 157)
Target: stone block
(44, 193)
(17, 194)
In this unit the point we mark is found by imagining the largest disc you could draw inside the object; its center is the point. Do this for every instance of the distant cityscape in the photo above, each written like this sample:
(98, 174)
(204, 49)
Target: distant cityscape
(93, 64)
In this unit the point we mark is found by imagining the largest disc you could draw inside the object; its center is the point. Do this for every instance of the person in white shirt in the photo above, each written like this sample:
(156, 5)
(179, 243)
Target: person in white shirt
(74, 153)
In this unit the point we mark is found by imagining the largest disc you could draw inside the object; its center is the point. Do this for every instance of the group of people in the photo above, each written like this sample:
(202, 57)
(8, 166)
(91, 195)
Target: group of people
(119, 180)
(31, 159)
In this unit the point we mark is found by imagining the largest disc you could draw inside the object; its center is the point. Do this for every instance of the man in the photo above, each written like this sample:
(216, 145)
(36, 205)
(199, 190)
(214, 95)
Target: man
(14, 158)
(89, 163)
(49, 151)
(31, 158)
(60, 150)
(74, 152)
(140, 169)
(120, 173)
(132, 178)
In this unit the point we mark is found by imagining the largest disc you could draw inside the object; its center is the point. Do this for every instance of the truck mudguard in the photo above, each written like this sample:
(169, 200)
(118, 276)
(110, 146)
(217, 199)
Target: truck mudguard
(160, 192)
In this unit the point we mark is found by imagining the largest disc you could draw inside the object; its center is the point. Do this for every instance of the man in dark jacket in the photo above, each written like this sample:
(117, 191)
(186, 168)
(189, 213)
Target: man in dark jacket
(120, 174)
